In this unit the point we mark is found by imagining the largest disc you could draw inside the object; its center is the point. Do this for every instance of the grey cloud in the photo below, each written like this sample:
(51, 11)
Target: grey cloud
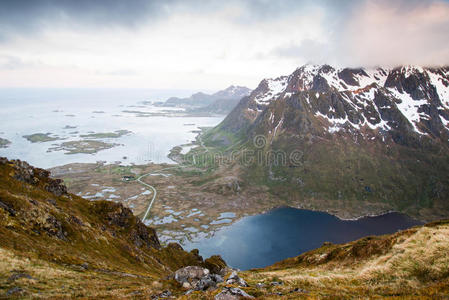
(380, 32)
(29, 16)
(344, 20)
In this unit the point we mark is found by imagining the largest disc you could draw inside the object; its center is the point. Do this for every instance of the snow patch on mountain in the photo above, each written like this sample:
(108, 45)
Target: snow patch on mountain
(411, 70)
(409, 107)
(277, 126)
(275, 87)
(362, 96)
(336, 123)
(442, 86)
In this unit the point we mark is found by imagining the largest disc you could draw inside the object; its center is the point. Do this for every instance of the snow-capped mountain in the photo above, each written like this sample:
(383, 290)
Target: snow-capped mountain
(407, 98)
(368, 140)
(232, 92)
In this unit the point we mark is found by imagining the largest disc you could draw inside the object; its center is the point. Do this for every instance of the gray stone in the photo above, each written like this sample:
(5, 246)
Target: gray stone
(163, 295)
(19, 274)
(205, 283)
(217, 278)
(190, 273)
(14, 291)
(232, 293)
(235, 279)
(197, 278)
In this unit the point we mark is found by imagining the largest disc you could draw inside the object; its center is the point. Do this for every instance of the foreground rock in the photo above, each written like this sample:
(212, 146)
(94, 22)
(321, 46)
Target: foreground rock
(235, 279)
(197, 278)
(229, 293)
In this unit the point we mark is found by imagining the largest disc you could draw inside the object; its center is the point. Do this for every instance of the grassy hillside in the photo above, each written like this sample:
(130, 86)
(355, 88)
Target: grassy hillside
(53, 243)
(410, 264)
(343, 173)
(57, 245)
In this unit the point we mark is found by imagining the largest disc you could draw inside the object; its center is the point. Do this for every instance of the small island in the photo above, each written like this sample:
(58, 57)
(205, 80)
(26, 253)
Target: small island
(41, 137)
(106, 135)
(83, 146)
(4, 143)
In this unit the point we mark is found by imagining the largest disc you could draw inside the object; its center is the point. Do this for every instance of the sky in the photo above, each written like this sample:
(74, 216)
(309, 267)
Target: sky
(209, 45)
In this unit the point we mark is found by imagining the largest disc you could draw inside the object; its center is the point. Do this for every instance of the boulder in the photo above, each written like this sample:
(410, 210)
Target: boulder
(235, 279)
(163, 295)
(197, 278)
(190, 273)
(229, 293)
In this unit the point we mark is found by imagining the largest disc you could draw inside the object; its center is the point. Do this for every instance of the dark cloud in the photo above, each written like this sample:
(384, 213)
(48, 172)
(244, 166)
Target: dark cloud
(30, 16)
(356, 31)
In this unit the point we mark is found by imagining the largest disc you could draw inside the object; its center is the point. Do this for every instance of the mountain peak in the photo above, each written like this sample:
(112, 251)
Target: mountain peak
(408, 98)
(233, 91)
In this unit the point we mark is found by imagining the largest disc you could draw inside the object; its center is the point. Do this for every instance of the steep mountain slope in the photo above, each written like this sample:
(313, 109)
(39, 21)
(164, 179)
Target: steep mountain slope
(220, 106)
(362, 141)
(55, 244)
(219, 102)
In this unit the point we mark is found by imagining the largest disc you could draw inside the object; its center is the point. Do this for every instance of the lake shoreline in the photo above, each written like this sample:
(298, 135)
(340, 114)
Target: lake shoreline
(260, 240)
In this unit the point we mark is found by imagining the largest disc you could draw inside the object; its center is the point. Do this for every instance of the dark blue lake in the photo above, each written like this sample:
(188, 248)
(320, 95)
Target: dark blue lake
(261, 240)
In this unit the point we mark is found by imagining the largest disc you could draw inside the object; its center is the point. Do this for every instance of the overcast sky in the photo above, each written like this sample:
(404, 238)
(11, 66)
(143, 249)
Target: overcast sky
(208, 45)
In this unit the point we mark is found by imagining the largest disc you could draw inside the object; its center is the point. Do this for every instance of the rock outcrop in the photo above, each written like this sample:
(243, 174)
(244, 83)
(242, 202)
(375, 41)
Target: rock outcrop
(232, 293)
(197, 278)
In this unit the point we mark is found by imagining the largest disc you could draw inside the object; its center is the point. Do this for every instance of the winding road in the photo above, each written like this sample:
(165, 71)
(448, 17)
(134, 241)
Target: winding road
(139, 179)
(152, 199)
(157, 172)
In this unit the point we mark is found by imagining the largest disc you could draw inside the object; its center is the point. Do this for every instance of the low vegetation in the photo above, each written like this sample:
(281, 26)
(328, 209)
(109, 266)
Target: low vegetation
(106, 135)
(4, 143)
(41, 137)
(347, 179)
(413, 263)
(83, 146)
(55, 244)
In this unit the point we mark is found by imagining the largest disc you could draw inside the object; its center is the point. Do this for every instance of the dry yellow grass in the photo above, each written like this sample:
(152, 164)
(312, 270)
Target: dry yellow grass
(55, 281)
(417, 265)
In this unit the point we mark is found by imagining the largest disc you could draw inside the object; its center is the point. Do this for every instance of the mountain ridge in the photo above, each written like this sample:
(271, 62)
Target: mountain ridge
(377, 138)
(358, 84)
(221, 102)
